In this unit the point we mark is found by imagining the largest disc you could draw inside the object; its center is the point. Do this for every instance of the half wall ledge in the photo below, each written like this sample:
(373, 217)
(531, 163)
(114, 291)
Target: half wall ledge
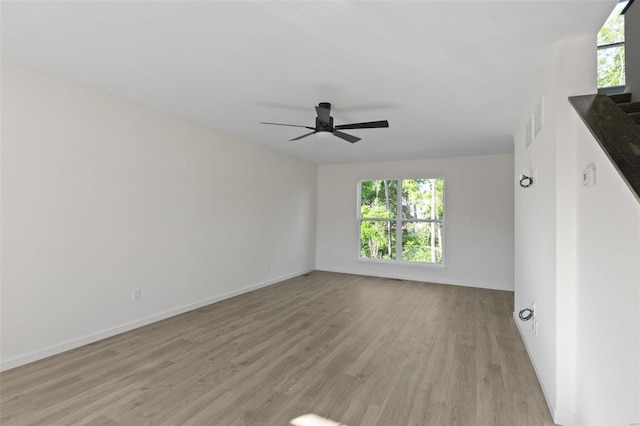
(616, 133)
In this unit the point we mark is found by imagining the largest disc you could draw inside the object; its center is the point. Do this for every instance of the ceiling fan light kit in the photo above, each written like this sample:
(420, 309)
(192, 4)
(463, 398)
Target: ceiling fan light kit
(324, 125)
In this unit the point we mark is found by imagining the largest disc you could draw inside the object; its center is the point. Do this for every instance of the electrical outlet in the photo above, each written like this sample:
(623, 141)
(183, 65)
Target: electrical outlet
(136, 294)
(534, 322)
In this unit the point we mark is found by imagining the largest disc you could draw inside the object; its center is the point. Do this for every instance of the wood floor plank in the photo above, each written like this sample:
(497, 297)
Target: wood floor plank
(354, 349)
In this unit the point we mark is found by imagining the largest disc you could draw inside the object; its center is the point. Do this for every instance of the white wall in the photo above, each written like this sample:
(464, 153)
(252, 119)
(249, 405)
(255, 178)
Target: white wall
(100, 197)
(586, 351)
(478, 253)
(632, 49)
(608, 294)
(535, 231)
(545, 230)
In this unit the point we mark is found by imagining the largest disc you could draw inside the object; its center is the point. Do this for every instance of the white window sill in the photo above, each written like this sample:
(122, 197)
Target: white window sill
(403, 263)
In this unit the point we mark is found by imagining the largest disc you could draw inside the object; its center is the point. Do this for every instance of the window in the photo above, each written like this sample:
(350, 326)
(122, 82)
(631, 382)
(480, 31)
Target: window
(611, 50)
(401, 220)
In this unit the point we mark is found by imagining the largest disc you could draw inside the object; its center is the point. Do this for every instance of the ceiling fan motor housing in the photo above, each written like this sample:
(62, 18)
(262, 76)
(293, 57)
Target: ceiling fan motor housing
(324, 127)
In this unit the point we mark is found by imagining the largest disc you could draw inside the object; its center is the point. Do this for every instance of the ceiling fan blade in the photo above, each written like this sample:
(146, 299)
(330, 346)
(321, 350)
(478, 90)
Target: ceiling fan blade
(367, 125)
(346, 137)
(288, 125)
(324, 112)
(303, 136)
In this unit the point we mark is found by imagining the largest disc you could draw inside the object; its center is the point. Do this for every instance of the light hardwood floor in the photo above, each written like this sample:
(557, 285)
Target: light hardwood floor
(358, 350)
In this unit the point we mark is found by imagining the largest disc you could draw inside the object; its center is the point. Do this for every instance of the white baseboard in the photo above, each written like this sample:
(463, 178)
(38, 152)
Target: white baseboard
(94, 337)
(411, 277)
(559, 417)
(563, 418)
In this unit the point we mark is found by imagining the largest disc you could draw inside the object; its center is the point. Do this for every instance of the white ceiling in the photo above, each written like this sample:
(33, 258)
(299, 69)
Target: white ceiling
(450, 76)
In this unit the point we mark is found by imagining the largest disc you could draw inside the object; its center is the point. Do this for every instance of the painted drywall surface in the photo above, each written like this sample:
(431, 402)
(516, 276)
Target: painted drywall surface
(100, 197)
(576, 73)
(477, 253)
(545, 223)
(632, 49)
(608, 294)
(535, 228)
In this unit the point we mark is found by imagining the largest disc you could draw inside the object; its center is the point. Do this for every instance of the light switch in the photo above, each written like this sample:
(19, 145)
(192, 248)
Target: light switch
(589, 177)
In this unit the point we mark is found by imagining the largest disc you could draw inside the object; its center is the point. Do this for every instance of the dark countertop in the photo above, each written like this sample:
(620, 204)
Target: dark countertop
(617, 134)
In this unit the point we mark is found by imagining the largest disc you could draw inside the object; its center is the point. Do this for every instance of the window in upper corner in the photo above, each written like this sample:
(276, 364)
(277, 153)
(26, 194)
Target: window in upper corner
(611, 50)
(402, 220)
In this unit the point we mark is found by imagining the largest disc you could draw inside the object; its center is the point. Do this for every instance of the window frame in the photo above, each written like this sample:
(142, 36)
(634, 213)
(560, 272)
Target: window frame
(399, 220)
(611, 46)
(621, 43)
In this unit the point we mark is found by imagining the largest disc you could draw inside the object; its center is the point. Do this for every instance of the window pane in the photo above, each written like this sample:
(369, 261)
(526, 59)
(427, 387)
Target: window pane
(378, 198)
(377, 239)
(422, 198)
(613, 29)
(422, 242)
(611, 66)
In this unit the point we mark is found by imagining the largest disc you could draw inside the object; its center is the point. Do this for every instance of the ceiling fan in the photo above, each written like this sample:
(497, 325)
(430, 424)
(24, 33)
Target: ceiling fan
(324, 125)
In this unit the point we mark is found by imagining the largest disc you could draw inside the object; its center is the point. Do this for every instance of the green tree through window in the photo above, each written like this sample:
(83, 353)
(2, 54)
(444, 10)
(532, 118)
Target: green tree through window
(611, 50)
(402, 220)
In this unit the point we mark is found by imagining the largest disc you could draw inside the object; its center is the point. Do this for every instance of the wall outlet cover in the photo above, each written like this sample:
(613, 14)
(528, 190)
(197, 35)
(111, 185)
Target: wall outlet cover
(538, 117)
(528, 132)
(589, 177)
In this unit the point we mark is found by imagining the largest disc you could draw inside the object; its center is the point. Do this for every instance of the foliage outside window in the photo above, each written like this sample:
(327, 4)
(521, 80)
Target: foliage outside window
(611, 50)
(402, 220)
